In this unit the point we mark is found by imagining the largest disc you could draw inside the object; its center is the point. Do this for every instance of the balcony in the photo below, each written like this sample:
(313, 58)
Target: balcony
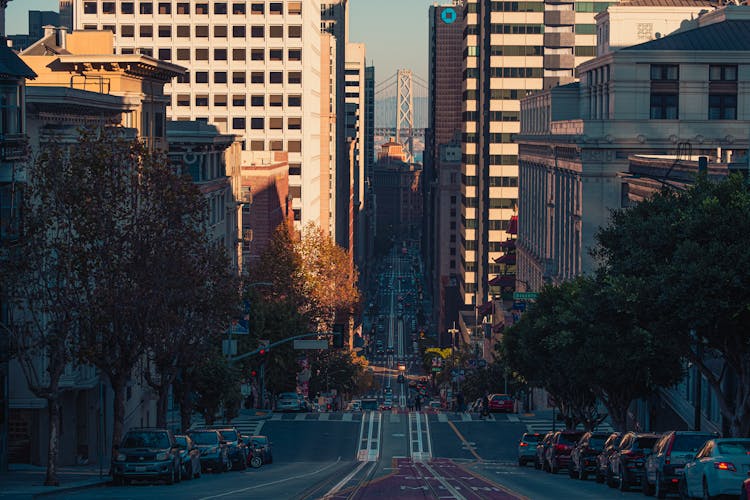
(14, 148)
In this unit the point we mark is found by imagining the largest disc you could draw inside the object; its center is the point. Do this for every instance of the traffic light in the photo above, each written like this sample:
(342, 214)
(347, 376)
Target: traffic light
(338, 336)
(253, 373)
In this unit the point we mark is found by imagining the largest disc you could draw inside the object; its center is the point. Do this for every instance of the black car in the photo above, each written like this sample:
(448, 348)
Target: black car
(190, 456)
(558, 451)
(147, 453)
(602, 459)
(263, 444)
(584, 453)
(626, 465)
(214, 450)
(541, 450)
(664, 467)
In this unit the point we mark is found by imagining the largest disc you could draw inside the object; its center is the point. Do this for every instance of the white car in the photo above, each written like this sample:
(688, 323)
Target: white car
(718, 468)
(288, 401)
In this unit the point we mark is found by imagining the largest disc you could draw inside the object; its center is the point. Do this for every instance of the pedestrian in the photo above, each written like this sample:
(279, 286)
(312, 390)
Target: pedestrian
(460, 403)
(418, 403)
(410, 403)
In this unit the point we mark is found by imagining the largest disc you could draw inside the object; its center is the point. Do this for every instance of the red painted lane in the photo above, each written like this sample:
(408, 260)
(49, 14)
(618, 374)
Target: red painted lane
(416, 481)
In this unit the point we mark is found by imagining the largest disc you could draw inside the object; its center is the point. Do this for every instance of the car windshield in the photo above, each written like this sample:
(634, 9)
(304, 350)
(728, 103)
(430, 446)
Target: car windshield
(205, 438)
(146, 440)
(570, 437)
(500, 398)
(288, 395)
(734, 448)
(645, 443)
(181, 441)
(596, 442)
(260, 440)
(531, 438)
(689, 442)
(229, 435)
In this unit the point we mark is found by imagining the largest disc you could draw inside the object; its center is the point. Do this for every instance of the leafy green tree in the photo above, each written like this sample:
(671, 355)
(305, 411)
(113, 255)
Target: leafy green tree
(686, 255)
(215, 385)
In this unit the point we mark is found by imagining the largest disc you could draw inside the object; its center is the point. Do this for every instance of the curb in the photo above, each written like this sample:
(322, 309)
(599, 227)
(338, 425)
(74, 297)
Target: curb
(69, 489)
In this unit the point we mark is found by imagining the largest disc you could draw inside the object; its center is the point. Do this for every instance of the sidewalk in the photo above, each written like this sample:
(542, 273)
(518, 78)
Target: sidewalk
(27, 481)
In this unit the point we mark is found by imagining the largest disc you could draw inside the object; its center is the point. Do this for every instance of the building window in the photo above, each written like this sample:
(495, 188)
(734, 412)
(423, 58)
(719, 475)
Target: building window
(165, 54)
(275, 123)
(183, 7)
(256, 77)
(275, 77)
(201, 54)
(146, 8)
(220, 54)
(109, 27)
(257, 9)
(294, 77)
(220, 77)
(89, 7)
(276, 100)
(238, 77)
(297, 212)
(201, 77)
(146, 31)
(294, 55)
(257, 100)
(276, 8)
(220, 100)
(146, 52)
(257, 145)
(276, 145)
(664, 106)
(165, 31)
(201, 31)
(257, 54)
(276, 32)
(724, 73)
(183, 54)
(238, 31)
(722, 107)
(220, 8)
(183, 100)
(201, 100)
(127, 31)
(108, 7)
(125, 8)
(238, 54)
(257, 31)
(295, 169)
(295, 31)
(238, 123)
(183, 31)
(257, 123)
(238, 9)
(238, 101)
(220, 31)
(275, 54)
(201, 9)
(185, 77)
(294, 8)
(668, 72)
(294, 123)
(294, 146)
(294, 101)
(165, 7)
(665, 91)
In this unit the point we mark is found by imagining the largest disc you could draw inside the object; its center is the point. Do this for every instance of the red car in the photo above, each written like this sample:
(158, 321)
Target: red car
(745, 494)
(502, 402)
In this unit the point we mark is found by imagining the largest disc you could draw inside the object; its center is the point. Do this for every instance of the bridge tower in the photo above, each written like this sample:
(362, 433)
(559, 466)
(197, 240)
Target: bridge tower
(405, 111)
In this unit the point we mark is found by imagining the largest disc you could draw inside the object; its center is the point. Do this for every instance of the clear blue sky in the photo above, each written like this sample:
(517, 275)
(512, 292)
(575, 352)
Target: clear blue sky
(395, 31)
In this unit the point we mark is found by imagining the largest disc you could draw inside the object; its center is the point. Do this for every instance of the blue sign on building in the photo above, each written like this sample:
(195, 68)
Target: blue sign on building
(449, 15)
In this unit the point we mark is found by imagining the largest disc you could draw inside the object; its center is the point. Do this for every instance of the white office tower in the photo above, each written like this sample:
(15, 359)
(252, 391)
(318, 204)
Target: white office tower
(254, 71)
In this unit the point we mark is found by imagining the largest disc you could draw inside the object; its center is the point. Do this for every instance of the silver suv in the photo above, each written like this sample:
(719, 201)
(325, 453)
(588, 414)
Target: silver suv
(147, 453)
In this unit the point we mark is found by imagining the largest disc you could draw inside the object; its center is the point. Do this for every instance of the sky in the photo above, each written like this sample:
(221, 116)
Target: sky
(394, 31)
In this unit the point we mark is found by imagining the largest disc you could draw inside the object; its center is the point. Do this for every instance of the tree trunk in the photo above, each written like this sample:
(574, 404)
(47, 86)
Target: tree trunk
(161, 406)
(118, 412)
(186, 409)
(619, 416)
(53, 412)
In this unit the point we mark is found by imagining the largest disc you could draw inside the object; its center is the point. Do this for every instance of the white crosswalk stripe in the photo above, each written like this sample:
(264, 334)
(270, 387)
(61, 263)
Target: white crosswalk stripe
(544, 426)
(248, 426)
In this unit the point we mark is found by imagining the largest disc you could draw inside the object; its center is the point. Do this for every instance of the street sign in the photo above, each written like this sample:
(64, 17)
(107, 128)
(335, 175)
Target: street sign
(436, 369)
(525, 295)
(311, 344)
(237, 329)
(229, 347)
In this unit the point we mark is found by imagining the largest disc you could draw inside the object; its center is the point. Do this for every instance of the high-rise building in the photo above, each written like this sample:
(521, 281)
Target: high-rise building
(440, 230)
(38, 19)
(369, 120)
(511, 49)
(254, 71)
(66, 14)
(356, 134)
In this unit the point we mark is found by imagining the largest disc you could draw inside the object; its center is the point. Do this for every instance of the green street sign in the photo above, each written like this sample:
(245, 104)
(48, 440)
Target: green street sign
(525, 295)
(436, 369)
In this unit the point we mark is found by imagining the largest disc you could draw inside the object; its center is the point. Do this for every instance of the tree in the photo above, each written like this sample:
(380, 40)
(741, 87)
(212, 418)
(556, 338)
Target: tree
(41, 279)
(216, 385)
(688, 252)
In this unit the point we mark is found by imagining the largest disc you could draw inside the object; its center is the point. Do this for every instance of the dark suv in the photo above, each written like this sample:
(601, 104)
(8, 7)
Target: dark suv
(558, 452)
(236, 447)
(541, 450)
(213, 449)
(626, 465)
(147, 453)
(602, 459)
(584, 453)
(665, 465)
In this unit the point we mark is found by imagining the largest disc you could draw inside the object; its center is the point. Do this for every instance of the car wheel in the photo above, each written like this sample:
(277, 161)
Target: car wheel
(118, 480)
(187, 471)
(611, 479)
(624, 485)
(243, 464)
(178, 473)
(582, 474)
(256, 462)
(706, 495)
(572, 472)
(537, 465)
(171, 476)
(599, 476)
(682, 489)
(553, 467)
(521, 462)
(646, 487)
(659, 490)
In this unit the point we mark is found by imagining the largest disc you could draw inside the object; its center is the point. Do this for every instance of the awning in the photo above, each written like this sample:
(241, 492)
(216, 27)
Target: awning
(513, 225)
(503, 280)
(508, 258)
(485, 308)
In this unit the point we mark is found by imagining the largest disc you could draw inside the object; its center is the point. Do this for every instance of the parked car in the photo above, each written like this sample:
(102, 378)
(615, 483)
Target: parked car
(254, 452)
(541, 451)
(214, 451)
(190, 457)
(602, 459)
(719, 468)
(356, 405)
(665, 465)
(263, 444)
(558, 451)
(236, 448)
(626, 466)
(501, 402)
(387, 405)
(288, 401)
(584, 453)
(527, 447)
(147, 453)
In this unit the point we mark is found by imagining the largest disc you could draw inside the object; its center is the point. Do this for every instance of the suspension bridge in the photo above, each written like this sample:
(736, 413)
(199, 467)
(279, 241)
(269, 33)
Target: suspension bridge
(401, 103)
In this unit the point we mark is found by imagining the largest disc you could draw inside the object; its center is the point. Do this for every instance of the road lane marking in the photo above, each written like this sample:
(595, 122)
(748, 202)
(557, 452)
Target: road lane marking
(481, 477)
(347, 417)
(346, 479)
(513, 418)
(360, 450)
(442, 417)
(463, 440)
(453, 491)
(324, 416)
(279, 481)
(429, 437)
(299, 416)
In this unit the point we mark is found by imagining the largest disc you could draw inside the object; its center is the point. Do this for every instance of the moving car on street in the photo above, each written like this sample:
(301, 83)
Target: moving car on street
(288, 401)
(501, 403)
(527, 447)
(147, 453)
(719, 468)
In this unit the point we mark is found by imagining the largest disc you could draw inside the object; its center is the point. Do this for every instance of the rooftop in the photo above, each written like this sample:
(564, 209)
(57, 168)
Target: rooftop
(730, 35)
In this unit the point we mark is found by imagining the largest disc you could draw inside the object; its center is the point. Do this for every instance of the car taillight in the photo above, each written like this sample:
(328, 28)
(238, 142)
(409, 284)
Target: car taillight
(632, 454)
(561, 447)
(522, 444)
(725, 466)
(668, 454)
